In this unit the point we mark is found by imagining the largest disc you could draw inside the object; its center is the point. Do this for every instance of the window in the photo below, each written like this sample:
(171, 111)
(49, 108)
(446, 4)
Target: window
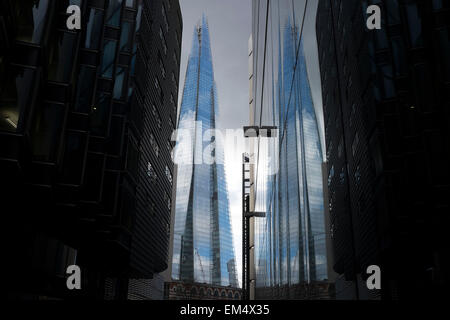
(393, 12)
(31, 18)
(168, 175)
(113, 13)
(14, 89)
(61, 56)
(352, 114)
(340, 147)
(342, 176)
(129, 3)
(132, 160)
(177, 38)
(154, 144)
(161, 67)
(424, 90)
(93, 29)
(156, 116)
(331, 175)
(125, 37)
(163, 40)
(151, 173)
(85, 89)
(163, 12)
(46, 131)
(355, 143)
(169, 147)
(100, 114)
(172, 127)
(118, 84)
(388, 81)
(175, 60)
(138, 17)
(172, 102)
(109, 56)
(357, 175)
(150, 204)
(133, 60)
(414, 24)
(168, 201)
(157, 85)
(398, 54)
(330, 148)
(137, 111)
(444, 41)
(160, 93)
(174, 81)
(74, 157)
(381, 39)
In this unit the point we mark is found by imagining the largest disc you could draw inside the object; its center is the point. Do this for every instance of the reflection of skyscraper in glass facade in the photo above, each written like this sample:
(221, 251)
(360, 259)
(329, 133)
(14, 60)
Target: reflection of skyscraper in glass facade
(202, 242)
(290, 248)
(300, 196)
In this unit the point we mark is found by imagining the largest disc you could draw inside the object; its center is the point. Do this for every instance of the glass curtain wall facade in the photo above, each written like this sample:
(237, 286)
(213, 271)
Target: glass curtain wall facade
(202, 244)
(83, 131)
(386, 109)
(290, 246)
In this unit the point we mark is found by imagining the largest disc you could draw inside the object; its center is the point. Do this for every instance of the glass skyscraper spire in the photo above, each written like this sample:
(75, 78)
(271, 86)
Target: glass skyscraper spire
(202, 245)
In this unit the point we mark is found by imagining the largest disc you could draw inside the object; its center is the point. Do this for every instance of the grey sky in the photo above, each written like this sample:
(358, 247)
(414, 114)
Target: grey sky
(230, 24)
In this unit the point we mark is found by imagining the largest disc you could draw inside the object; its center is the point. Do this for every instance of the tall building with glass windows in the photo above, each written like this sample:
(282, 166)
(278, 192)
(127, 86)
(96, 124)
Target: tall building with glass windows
(290, 248)
(202, 241)
(86, 118)
(386, 106)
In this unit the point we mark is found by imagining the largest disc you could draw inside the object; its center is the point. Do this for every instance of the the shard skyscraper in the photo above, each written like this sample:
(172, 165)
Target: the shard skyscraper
(202, 243)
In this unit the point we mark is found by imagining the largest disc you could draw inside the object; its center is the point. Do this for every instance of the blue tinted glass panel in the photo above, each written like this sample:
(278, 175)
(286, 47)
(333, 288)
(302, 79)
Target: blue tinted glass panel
(113, 13)
(93, 29)
(109, 56)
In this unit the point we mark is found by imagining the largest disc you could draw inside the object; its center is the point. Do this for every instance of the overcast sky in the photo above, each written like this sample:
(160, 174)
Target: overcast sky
(230, 25)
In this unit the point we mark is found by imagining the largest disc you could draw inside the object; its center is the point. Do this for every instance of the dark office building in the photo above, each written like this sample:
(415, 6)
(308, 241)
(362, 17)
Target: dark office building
(386, 100)
(86, 119)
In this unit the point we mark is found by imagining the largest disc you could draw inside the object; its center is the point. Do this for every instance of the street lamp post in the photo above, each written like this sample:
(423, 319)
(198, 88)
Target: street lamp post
(247, 213)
